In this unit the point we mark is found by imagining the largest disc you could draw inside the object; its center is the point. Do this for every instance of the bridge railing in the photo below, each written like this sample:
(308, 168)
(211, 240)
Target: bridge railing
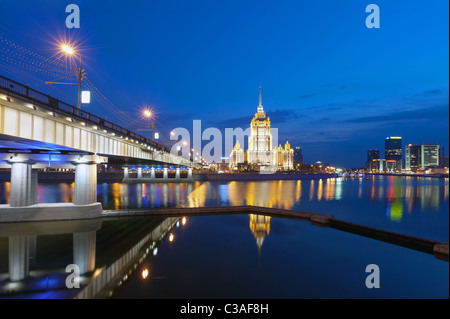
(17, 88)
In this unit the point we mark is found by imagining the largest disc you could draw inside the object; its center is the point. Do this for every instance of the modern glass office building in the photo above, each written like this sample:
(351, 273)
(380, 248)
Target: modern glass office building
(393, 153)
(429, 155)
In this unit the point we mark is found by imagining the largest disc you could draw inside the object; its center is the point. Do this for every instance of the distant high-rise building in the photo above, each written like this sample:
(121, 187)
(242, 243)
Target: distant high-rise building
(412, 157)
(373, 155)
(441, 157)
(429, 155)
(393, 153)
(372, 163)
(445, 161)
(298, 157)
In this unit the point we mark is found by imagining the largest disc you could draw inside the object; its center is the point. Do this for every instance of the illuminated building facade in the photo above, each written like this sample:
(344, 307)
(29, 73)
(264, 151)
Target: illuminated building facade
(285, 157)
(429, 155)
(236, 156)
(412, 157)
(260, 150)
(393, 153)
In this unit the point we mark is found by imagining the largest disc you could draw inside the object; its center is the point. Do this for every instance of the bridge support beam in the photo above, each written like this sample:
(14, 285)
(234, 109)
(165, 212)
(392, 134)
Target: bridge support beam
(165, 174)
(139, 172)
(23, 185)
(177, 173)
(152, 173)
(85, 184)
(189, 176)
(126, 173)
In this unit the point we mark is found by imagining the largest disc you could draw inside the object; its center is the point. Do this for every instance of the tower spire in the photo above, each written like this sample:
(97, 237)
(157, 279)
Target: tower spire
(260, 107)
(260, 99)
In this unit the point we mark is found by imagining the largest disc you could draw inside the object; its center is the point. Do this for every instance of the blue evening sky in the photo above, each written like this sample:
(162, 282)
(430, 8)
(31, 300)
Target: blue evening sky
(329, 83)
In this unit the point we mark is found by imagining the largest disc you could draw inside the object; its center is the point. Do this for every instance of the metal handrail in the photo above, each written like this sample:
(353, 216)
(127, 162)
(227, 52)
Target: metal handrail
(17, 88)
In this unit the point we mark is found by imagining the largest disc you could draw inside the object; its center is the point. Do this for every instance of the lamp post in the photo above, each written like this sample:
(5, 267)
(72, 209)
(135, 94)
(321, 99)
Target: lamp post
(148, 115)
(68, 50)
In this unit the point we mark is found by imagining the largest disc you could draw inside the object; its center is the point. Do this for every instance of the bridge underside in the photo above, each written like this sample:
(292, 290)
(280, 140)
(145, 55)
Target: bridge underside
(17, 145)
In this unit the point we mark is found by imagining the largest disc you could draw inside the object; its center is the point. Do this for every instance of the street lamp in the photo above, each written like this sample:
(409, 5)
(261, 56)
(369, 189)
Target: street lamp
(148, 115)
(68, 50)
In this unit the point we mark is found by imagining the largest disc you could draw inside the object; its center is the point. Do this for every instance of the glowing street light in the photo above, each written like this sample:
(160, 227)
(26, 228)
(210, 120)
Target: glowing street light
(69, 50)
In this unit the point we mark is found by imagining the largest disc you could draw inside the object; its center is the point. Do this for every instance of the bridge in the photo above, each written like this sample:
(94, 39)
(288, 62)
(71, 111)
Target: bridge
(39, 131)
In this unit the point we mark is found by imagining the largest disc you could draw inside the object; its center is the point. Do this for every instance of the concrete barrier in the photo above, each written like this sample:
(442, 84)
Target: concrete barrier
(49, 212)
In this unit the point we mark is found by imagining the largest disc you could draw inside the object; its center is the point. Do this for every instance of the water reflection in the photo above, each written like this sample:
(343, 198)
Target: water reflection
(405, 192)
(359, 200)
(38, 253)
(260, 227)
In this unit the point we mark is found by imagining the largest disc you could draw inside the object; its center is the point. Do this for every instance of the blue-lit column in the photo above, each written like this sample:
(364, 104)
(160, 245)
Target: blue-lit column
(85, 183)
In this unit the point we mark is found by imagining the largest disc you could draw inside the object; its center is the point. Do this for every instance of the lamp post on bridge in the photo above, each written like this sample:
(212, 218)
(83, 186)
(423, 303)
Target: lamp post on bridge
(68, 50)
(148, 114)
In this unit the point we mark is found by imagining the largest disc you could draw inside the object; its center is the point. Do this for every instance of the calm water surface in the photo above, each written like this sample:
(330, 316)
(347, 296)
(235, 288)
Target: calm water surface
(409, 205)
(235, 256)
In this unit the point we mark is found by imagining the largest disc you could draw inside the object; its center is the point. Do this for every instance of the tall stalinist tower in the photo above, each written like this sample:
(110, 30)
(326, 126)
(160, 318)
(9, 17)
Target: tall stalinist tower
(261, 155)
(260, 150)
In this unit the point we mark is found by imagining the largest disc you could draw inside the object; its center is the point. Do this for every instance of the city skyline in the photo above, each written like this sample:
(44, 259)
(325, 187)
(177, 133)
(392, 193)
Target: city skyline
(330, 85)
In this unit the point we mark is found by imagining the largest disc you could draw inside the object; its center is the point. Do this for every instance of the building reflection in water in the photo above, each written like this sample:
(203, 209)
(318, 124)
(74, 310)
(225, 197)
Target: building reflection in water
(407, 193)
(260, 227)
(280, 194)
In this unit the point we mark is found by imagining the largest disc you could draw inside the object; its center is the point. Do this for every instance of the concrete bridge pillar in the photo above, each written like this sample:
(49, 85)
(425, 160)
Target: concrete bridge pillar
(126, 173)
(85, 184)
(139, 173)
(177, 173)
(189, 176)
(152, 173)
(19, 255)
(84, 251)
(165, 174)
(23, 185)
